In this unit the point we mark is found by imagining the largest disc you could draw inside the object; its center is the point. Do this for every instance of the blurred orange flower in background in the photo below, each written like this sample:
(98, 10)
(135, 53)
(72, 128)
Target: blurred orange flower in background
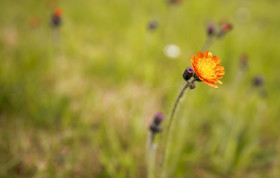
(57, 12)
(207, 68)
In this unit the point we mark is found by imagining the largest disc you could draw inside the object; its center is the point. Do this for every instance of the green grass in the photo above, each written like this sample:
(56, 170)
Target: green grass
(81, 105)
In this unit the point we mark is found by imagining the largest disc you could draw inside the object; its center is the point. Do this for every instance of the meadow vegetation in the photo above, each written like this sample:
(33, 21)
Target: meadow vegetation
(77, 101)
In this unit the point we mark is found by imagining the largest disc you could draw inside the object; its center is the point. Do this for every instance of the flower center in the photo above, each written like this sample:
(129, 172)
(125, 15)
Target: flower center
(205, 68)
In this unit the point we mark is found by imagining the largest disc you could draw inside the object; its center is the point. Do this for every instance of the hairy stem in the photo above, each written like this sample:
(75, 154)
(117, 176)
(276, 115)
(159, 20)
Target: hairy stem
(208, 42)
(170, 126)
(176, 105)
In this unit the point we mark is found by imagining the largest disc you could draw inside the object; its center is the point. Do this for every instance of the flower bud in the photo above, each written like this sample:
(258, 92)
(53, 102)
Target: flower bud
(210, 30)
(158, 118)
(188, 73)
(192, 86)
(154, 129)
(258, 81)
(152, 25)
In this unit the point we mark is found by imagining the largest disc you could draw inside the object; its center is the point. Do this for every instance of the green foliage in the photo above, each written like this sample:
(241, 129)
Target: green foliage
(77, 101)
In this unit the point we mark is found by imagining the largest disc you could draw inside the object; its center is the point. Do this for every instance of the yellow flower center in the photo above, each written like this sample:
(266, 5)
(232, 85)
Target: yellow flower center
(205, 68)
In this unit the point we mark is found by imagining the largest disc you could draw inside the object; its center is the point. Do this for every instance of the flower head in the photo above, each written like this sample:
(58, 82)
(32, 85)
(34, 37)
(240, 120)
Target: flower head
(56, 18)
(226, 27)
(207, 68)
(57, 12)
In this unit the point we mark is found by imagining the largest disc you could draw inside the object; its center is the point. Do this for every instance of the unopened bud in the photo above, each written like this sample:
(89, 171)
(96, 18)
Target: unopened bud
(210, 30)
(152, 25)
(158, 118)
(258, 81)
(192, 86)
(154, 129)
(188, 73)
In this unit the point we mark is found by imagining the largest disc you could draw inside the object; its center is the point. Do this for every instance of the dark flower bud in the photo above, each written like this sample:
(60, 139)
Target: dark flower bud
(210, 30)
(258, 81)
(188, 73)
(152, 25)
(158, 118)
(154, 129)
(196, 77)
(192, 86)
(56, 21)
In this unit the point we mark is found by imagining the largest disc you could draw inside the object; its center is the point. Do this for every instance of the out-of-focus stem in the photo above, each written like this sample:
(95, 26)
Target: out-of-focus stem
(207, 44)
(150, 157)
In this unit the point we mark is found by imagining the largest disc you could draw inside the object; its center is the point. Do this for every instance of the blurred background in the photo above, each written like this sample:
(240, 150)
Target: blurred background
(80, 85)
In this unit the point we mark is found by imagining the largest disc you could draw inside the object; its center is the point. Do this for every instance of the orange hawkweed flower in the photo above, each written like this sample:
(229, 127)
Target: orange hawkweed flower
(57, 12)
(56, 18)
(207, 68)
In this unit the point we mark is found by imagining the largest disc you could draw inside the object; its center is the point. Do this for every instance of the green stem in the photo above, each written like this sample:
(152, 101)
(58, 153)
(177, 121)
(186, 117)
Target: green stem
(176, 105)
(151, 148)
(167, 140)
(207, 44)
(170, 126)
